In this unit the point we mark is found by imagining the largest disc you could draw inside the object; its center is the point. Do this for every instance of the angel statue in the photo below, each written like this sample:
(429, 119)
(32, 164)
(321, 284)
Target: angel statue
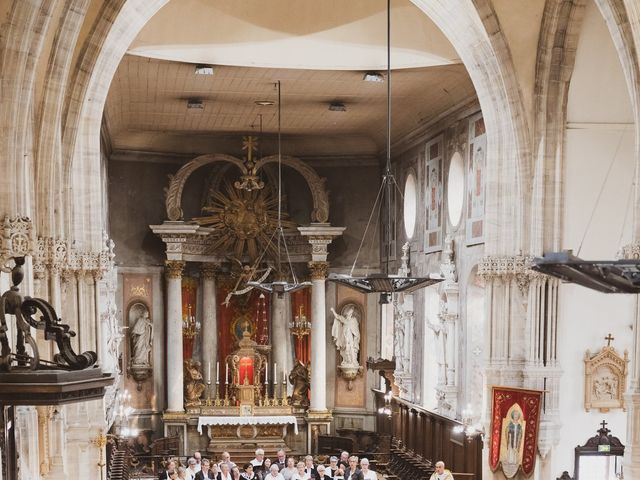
(346, 334)
(245, 274)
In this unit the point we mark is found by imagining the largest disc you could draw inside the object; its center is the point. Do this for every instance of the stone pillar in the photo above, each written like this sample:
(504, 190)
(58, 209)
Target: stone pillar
(320, 235)
(280, 336)
(175, 374)
(209, 324)
(101, 338)
(631, 461)
(318, 337)
(43, 438)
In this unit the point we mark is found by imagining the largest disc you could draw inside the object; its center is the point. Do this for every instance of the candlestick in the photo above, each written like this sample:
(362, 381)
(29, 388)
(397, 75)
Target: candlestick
(275, 373)
(284, 377)
(217, 373)
(266, 373)
(226, 375)
(209, 373)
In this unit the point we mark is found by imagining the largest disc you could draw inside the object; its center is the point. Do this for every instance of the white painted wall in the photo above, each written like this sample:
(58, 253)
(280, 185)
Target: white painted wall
(598, 128)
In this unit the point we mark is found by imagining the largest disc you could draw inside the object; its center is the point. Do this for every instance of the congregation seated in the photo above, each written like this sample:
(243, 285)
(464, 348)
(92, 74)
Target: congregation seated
(248, 471)
(281, 461)
(309, 467)
(226, 458)
(266, 467)
(225, 471)
(206, 472)
(261, 468)
(288, 471)
(300, 473)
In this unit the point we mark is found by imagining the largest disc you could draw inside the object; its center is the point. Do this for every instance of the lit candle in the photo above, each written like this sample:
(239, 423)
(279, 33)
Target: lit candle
(226, 375)
(266, 373)
(284, 377)
(217, 372)
(275, 373)
(209, 372)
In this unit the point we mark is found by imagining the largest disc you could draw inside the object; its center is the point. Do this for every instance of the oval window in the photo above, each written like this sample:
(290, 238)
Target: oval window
(455, 188)
(410, 203)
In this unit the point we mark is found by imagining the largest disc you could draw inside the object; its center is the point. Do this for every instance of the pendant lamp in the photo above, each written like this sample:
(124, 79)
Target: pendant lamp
(280, 286)
(384, 283)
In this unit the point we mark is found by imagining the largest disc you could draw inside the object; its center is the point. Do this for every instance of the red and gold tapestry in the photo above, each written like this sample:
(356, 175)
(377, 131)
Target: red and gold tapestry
(515, 419)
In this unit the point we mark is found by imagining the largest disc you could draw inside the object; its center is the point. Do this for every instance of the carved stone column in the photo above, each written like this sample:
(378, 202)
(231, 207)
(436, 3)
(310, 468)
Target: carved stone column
(632, 396)
(319, 272)
(209, 323)
(43, 439)
(175, 375)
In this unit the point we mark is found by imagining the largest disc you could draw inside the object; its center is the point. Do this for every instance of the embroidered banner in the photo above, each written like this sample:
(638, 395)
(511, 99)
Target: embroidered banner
(515, 418)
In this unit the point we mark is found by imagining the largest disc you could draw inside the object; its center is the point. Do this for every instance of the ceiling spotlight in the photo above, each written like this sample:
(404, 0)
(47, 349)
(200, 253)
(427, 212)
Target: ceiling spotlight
(373, 77)
(204, 70)
(195, 103)
(337, 107)
(264, 103)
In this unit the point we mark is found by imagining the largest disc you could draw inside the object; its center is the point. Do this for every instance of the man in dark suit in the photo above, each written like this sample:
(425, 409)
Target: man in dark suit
(281, 461)
(205, 472)
(353, 472)
(169, 470)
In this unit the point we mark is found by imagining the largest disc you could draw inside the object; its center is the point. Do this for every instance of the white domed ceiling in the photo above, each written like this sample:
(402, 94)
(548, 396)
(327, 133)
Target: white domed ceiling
(306, 34)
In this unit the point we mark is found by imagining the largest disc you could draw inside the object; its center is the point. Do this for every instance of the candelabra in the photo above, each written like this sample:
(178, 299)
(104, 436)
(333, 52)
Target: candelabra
(386, 409)
(190, 327)
(467, 426)
(300, 326)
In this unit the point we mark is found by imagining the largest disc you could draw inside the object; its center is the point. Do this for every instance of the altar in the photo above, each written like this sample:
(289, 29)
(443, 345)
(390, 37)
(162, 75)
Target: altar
(234, 433)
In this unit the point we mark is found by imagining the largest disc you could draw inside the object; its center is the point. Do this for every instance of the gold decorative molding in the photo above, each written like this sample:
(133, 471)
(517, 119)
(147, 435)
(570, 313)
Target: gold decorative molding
(209, 271)
(174, 268)
(319, 270)
(605, 378)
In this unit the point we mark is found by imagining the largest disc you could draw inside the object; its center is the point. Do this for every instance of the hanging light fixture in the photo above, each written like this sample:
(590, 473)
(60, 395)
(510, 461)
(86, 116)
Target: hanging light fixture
(606, 276)
(384, 283)
(280, 286)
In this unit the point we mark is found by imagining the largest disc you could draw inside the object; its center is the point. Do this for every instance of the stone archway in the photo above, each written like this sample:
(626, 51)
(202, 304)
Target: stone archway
(473, 32)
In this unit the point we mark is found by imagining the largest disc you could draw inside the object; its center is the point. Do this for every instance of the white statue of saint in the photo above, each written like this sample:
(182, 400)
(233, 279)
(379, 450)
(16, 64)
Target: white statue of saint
(141, 338)
(440, 332)
(346, 334)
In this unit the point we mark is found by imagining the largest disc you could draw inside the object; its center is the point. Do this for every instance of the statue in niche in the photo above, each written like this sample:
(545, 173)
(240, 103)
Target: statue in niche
(346, 333)
(141, 335)
(440, 331)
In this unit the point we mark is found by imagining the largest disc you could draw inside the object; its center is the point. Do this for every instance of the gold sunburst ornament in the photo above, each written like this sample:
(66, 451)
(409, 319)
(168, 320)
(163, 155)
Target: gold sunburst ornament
(244, 220)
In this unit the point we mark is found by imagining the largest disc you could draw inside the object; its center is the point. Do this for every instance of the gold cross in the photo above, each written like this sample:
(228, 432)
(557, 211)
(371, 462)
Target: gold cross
(250, 144)
(609, 339)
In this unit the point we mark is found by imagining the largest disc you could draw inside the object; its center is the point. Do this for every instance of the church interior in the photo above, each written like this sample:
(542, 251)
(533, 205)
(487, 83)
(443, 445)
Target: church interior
(404, 229)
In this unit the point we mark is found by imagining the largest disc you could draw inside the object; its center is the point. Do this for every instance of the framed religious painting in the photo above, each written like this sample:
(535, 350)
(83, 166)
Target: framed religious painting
(433, 194)
(476, 175)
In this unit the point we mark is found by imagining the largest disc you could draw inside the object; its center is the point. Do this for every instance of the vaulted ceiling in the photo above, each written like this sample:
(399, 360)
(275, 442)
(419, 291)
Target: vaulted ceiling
(318, 51)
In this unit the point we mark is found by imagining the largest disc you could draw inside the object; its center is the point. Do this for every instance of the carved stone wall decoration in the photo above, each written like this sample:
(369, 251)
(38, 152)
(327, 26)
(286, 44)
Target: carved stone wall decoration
(605, 378)
(17, 238)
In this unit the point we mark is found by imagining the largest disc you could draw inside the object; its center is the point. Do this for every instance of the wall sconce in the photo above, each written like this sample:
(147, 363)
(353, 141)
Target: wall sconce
(467, 427)
(386, 410)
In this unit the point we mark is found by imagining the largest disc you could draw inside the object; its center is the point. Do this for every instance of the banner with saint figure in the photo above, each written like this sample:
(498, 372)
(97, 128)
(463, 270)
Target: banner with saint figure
(515, 419)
